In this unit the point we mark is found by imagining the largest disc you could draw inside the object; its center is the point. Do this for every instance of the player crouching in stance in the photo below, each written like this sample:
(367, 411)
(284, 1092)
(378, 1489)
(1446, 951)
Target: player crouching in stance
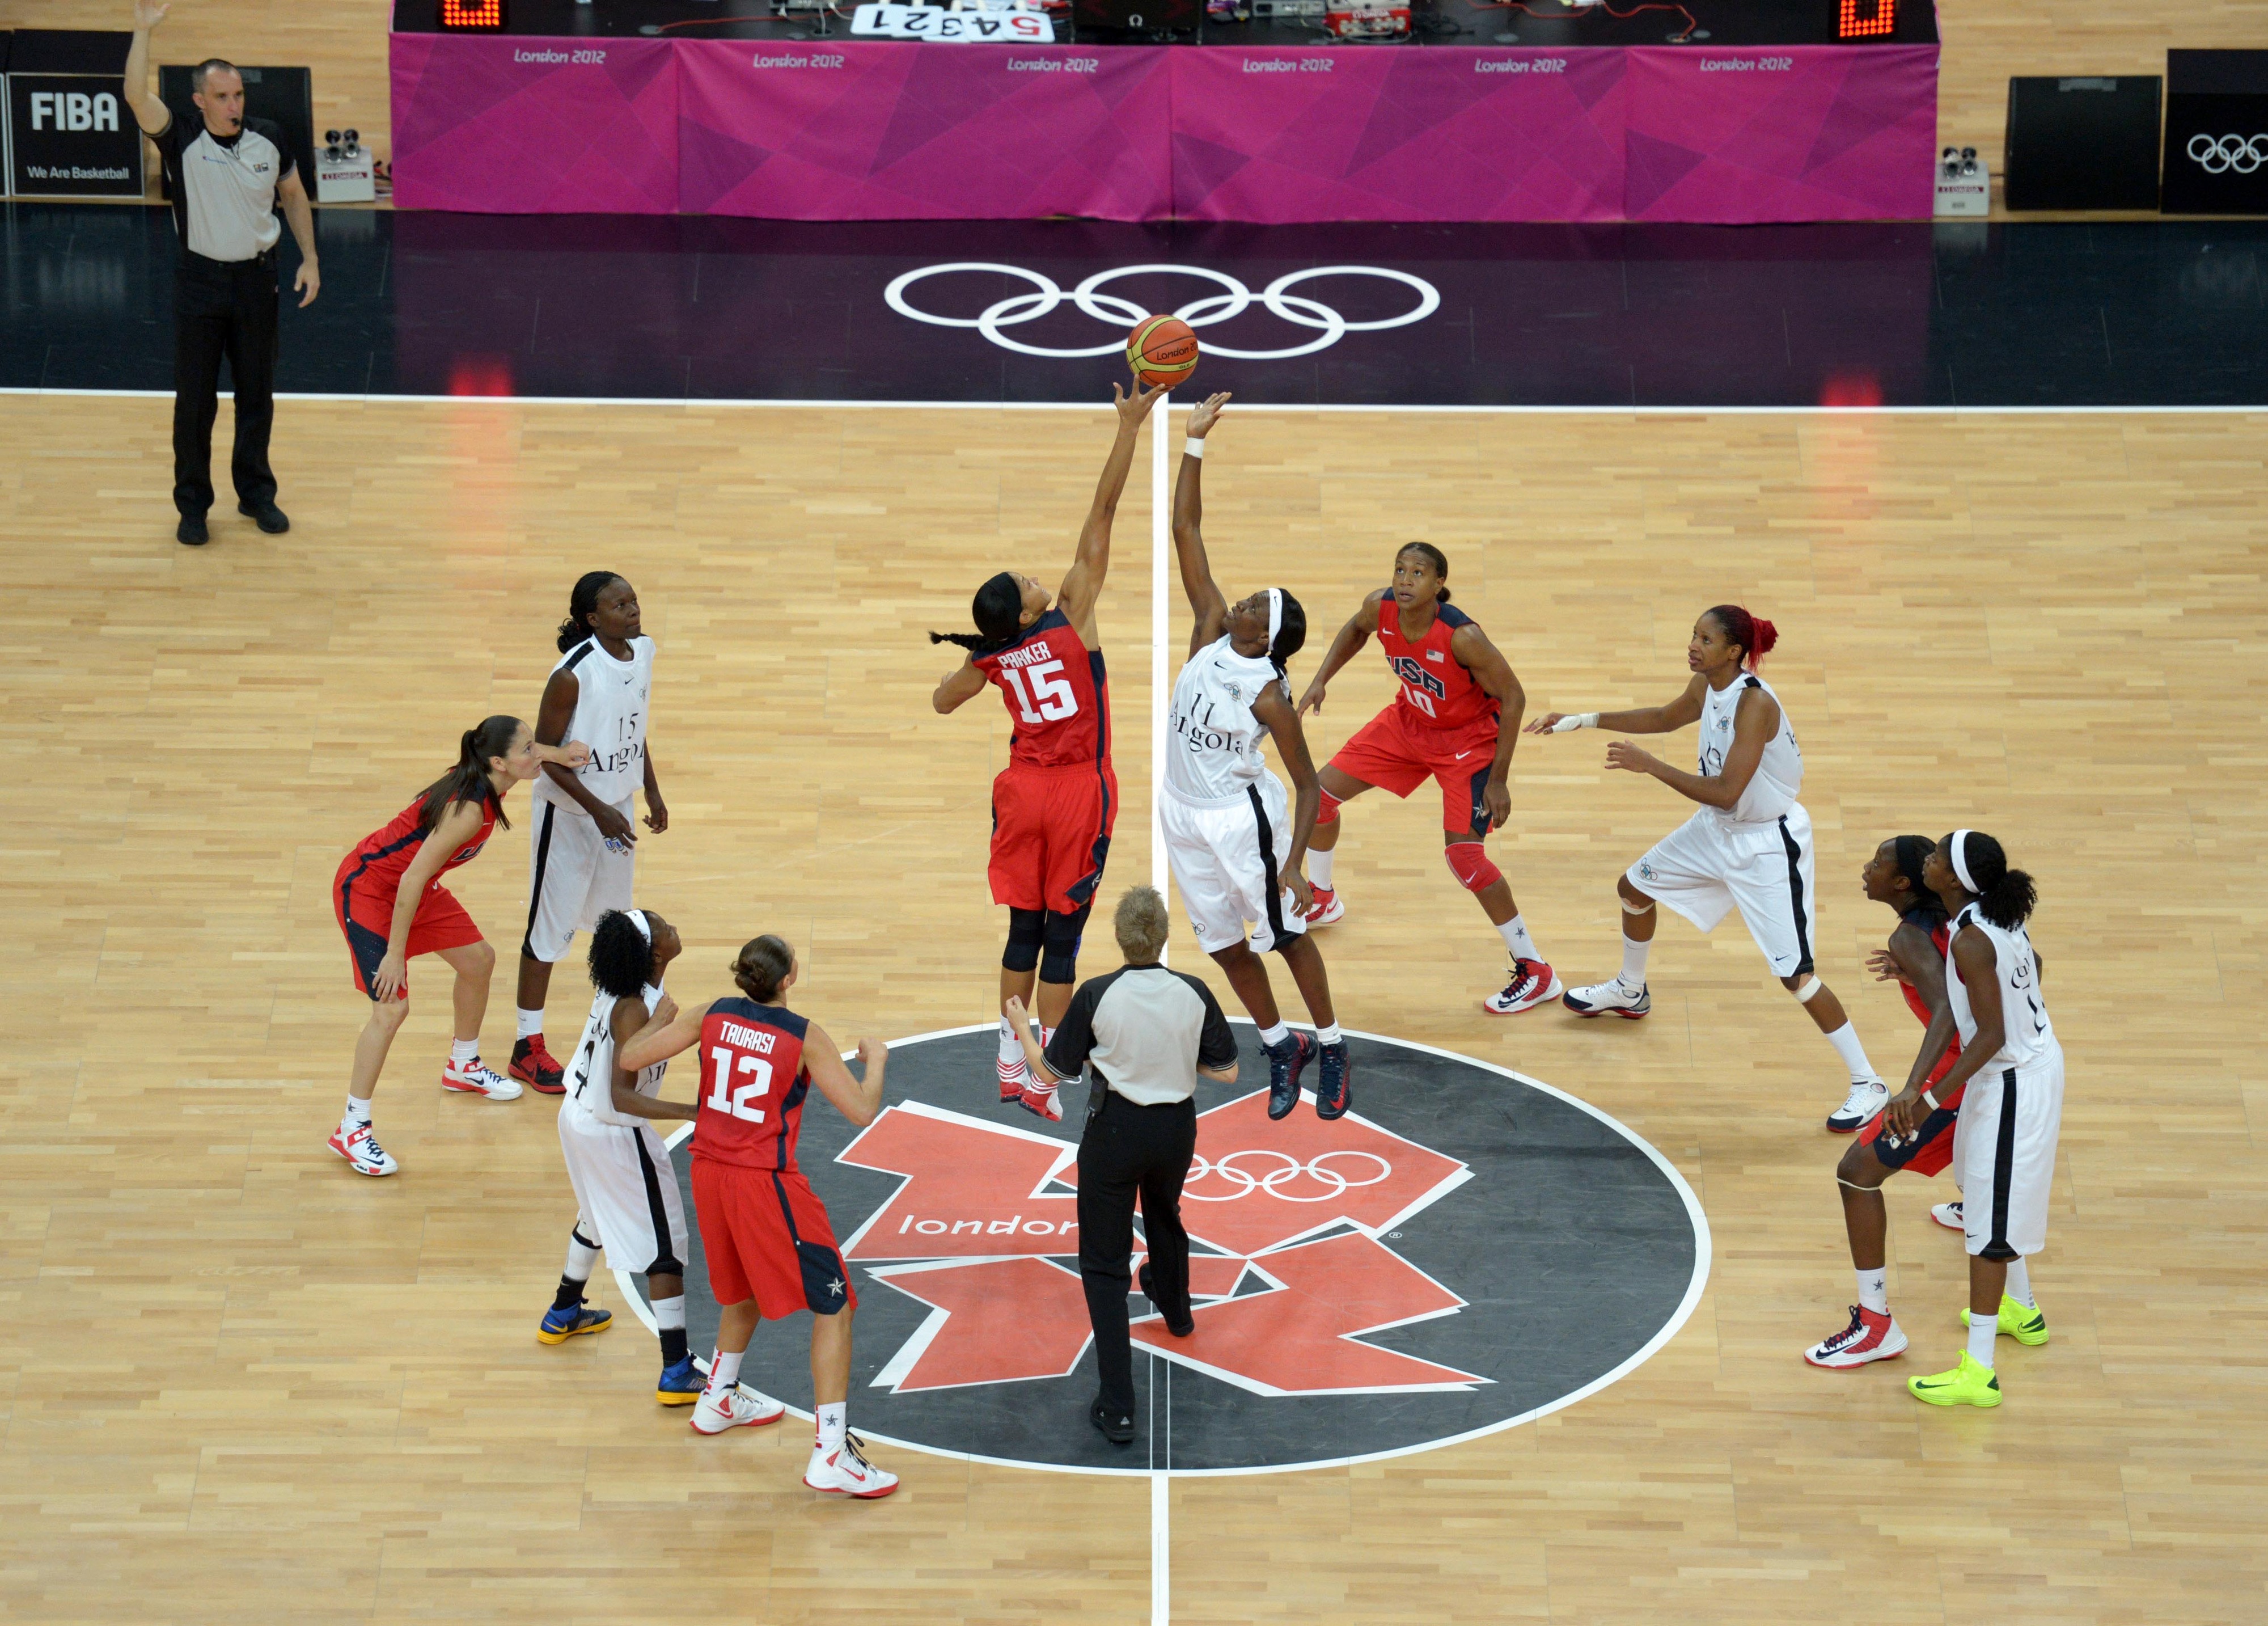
(392, 907)
(1749, 845)
(1915, 960)
(1454, 719)
(769, 1247)
(625, 1190)
(2010, 1067)
(1234, 848)
(1055, 804)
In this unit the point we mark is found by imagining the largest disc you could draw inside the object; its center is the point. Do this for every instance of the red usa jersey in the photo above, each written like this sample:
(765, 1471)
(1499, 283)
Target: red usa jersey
(753, 1082)
(1057, 695)
(1439, 692)
(386, 854)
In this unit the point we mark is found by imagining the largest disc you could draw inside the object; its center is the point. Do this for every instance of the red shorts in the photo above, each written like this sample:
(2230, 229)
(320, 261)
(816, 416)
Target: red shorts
(1398, 755)
(365, 915)
(1931, 1150)
(766, 1236)
(1051, 835)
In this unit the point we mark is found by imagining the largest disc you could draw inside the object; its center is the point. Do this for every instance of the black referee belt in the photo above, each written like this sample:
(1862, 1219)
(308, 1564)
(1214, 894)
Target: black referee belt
(191, 261)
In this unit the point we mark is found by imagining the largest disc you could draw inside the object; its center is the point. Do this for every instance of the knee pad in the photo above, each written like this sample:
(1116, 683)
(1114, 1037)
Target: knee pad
(1631, 908)
(1469, 861)
(1327, 813)
(1061, 933)
(1809, 991)
(1026, 928)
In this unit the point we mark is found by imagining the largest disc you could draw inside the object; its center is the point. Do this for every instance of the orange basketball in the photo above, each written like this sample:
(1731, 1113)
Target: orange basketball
(1161, 350)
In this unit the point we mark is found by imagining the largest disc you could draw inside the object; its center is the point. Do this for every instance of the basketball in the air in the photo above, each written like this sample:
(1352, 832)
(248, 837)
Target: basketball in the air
(1161, 350)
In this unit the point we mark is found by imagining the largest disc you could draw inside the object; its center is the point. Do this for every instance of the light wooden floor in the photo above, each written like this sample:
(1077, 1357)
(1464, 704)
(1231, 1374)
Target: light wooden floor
(239, 1384)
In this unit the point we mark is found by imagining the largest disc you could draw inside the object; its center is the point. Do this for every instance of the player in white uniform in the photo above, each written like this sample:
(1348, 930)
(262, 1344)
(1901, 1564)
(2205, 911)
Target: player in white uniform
(2012, 1064)
(1748, 846)
(581, 840)
(1234, 841)
(625, 1190)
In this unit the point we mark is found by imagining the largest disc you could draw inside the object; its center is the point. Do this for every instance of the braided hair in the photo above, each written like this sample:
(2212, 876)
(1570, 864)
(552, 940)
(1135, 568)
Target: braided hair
(1290, 635)
(580, 604)
(998, 611)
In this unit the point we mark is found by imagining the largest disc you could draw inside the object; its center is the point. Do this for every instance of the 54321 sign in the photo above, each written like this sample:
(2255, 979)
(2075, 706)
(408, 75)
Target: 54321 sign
(924, 22)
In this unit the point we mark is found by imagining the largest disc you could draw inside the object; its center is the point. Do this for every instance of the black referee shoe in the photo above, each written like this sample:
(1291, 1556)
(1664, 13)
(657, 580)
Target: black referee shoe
(266, 515)
(191, 531)
(1117, 1426)
(1183, 1329)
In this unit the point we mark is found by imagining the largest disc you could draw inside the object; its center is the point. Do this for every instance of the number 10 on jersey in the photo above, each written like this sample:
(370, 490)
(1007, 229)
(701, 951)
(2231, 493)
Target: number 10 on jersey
(737, 1098)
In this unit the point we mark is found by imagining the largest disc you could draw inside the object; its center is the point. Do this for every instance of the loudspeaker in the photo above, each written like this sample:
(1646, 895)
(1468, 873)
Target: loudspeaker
(2216, 133)
(1109, 19)
(2082, 143)
(282, 96)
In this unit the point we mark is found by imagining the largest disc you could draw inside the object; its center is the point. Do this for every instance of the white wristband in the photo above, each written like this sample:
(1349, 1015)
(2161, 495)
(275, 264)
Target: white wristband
(1930, 1099)
(1580, 719)
(1193, 448)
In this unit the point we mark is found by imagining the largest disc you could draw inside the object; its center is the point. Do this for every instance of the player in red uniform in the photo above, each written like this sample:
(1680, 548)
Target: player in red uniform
(1915, 960)
(769, 1247)
(1054, 805)
(392, 907)
(1454, 719)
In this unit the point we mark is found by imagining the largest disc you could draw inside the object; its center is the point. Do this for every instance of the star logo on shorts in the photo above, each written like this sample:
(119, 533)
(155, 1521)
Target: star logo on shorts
(834, 1288)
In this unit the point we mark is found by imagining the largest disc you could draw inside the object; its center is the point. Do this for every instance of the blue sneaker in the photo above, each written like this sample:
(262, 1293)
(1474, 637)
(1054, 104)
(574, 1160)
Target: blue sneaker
(1285, 1062)
(680, 1384)
(558, 1326)
(1334, 1088)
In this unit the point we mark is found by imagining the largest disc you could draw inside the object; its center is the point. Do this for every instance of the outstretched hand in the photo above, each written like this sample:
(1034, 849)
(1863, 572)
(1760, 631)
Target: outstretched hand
(1544, 724)
(1135, 406)
(148, 14)
(1207, 415)
(1311, 701)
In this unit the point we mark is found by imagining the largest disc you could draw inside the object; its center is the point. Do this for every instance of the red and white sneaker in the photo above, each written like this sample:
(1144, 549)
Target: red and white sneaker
(1948, 1214)
(846, 1472)
(1871, 1336)
(1329, 911)
(1015, 1078)
(532, 1063)
(472, 1078)
(353, 1141)
(1533, 983)
(736, 1407)
(1041, 1101)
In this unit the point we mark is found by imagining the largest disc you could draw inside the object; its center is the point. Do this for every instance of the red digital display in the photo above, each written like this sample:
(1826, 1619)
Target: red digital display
(489, 13)
(1863, 18)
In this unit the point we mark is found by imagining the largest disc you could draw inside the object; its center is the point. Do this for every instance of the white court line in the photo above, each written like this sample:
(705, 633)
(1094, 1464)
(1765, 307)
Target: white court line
(1161, 422)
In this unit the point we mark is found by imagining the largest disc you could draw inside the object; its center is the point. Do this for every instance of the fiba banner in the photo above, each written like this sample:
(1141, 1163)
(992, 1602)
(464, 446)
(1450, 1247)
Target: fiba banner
(71, 135)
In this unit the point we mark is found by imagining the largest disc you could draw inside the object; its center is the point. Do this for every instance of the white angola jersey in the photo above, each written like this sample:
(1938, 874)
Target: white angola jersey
(1773, 788)
(1215, 752)
(2031, 1037)
(591, 1074)
(610, 705)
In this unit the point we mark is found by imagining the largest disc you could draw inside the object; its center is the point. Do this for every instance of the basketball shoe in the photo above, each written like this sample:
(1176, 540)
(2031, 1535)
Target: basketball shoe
(1041, 1101)
(1329, 911)
(1183, 1326)
(1608, 998)
(1869, 1337)
(2024, 1323)
(1968, 1384)
(1335, 1083)
(679, 1384)
(1948, 1214)
(846, 1472)
(532, 1065)
(736, 1407)
(1285, 1062)
(1015, 1078)
(572, 1322)
(472, 1078)
(1532, 984)
(353, 1141)
(1868, 1096)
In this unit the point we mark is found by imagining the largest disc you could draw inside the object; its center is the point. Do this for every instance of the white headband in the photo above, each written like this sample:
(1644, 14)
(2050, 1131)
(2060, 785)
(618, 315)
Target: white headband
(1961, 860)
(637, 919)
(1275, 616)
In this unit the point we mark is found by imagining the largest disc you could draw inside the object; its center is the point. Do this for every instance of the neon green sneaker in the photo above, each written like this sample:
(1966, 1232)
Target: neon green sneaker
(2027, 1327)
(1968, 1384)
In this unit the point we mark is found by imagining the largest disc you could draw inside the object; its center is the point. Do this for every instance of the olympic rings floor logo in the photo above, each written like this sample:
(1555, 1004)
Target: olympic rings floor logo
(1300, 310)
(1333, 1183)
(2220, 155)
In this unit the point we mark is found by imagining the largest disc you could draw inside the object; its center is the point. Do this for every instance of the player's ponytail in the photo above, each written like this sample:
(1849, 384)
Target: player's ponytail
(1290, 632)
(2004, 897)
(1440, 562)
(580, 604)
(998, 611)
(468, 780)
(1754, 634)
(761, 966)
(622, 956)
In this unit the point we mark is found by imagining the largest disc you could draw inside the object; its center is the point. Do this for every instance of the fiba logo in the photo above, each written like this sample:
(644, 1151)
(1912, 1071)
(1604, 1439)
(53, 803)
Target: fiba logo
(74, 110)
(2220, 155)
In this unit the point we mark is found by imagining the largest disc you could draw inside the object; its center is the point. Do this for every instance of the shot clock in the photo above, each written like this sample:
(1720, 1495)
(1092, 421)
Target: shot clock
(472, 13)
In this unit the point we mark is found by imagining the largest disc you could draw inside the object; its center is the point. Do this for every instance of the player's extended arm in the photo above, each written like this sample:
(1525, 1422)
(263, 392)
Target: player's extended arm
(308, 280)
(1472, 649)
(1755, 720)
(1979, 971)
(1681, 713)
(959, 687)
(1189, 533)
(859, 1100)
(1922, 968)
(629, 1019)
(151, 114)
(1343, 648)
(1274, 710)
(1082, 584)
(658, 1041)
(459, 823)
(553, 714)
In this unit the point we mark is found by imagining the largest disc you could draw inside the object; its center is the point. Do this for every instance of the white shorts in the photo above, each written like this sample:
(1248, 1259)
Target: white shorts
(2010, 1116)
(572, 879)
(1705, 867)
(628, 1191)
(1227, 862)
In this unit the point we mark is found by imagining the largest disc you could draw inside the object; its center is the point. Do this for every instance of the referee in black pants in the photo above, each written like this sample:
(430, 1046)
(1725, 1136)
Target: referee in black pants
(1149, 1033)
(227, 174)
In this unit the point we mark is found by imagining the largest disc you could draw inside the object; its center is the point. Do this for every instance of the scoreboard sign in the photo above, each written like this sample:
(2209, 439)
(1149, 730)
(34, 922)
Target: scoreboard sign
(71, 135)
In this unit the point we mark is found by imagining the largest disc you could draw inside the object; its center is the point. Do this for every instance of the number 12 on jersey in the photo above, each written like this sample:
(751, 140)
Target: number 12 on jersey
(1057, 698)
(727, 1097)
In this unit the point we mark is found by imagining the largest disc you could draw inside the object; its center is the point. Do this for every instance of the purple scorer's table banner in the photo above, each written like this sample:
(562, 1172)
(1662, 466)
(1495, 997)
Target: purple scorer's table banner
(889, 129)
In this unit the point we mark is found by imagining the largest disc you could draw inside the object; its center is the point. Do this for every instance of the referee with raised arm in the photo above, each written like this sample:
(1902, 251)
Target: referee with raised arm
(226, 173)
(1149, 1033)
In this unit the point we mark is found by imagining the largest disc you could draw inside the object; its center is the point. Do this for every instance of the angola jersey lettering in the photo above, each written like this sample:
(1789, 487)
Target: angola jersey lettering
(1440, 691)
(1057, 694)
(385, 854)
(2027, 1035)
(753, 1082)
(611, 697)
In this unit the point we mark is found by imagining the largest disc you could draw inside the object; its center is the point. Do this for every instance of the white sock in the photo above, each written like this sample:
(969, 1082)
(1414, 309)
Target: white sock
(669, 1313)
(464, 1050)
(1011, 1048)
(1845, 1040)
(834, 1422)
(358, 1108)
(1875, 1290)
(1327, 1036)
(1634, 953)
(1983, 1329)
(1276, 1035)
(1514, 933)
(1319, 867)
(581, 1260)
(2020, 1285)
(723, 1371)
(531, 1021)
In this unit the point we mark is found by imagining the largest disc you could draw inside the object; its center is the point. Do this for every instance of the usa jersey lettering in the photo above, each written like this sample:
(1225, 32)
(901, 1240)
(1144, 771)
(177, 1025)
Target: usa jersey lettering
(1435, 685)
(1056, 692)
